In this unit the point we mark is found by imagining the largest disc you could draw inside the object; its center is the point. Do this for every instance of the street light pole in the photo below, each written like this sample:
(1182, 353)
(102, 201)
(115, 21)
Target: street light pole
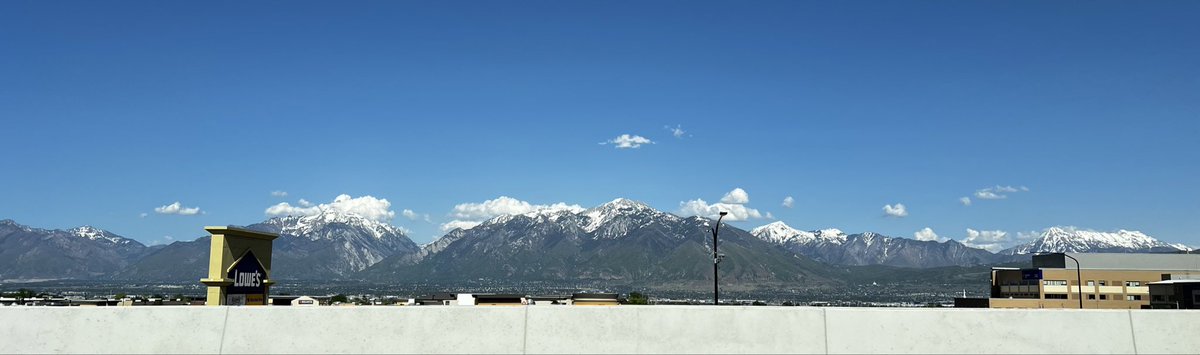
(1078, 277)
(716, 260)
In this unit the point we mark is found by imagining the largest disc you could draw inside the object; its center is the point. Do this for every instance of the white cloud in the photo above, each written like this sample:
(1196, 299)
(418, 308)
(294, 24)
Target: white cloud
(468, 215)
(1027, 236)
(927, 234)
(504, 205)
(737, 212)
(993, 241)
(788, 202)
(365, 206)
(626, 141)
(143, 215)
(407, 213)
(676, 131)
(177, 209)
(737, 196)
(167, 237)
(966, 201)
(304, 203)
(998, 192)
(452, 225)
(896, 210)
(278, 193)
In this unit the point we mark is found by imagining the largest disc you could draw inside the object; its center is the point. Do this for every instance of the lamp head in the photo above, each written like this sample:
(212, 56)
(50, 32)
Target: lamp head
(723, 213)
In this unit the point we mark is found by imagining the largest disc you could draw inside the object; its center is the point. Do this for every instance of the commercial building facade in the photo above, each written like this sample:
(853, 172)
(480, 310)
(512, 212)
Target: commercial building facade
(1109, 280)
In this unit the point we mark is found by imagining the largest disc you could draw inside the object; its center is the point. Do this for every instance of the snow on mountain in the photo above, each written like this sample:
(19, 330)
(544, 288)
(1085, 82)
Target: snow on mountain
(310, 226)
(83, 252)
(619, 241)
(93, 233)
(609, 220)
(1072, 239)
(85, 232)
(334, 242)
(836, 247)
(780, 233)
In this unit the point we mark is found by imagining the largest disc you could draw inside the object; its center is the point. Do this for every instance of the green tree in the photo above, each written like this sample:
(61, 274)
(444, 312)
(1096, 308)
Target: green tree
(637, 298)
(339, 298)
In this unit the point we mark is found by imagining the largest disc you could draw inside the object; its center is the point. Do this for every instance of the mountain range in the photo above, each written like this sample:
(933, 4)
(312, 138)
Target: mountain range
(327, 245)
(620, 242)
(1074, 240)
(836, 247)
(79, 253)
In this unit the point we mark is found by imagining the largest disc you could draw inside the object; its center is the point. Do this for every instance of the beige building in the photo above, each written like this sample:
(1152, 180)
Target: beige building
(1109, 281)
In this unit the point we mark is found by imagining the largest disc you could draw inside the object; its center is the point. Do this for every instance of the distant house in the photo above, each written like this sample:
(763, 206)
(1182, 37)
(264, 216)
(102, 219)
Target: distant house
(305, 301)
(594, 299)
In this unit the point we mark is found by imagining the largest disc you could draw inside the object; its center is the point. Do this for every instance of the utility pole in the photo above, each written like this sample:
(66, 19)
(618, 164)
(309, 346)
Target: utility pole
(717, 260)
(1079, 277)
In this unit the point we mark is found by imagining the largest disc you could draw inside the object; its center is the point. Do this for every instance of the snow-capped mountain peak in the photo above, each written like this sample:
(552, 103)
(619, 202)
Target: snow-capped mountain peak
(307, 225)
(93, 233)
(621, 207)
(780, 233)
(1061, 239)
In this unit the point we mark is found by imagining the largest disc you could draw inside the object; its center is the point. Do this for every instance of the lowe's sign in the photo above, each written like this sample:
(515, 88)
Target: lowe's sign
(249, 286)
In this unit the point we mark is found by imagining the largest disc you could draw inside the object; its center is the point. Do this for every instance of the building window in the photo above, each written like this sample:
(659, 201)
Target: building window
(1054, 282)
(1159, 298)
(1103, 297)
(1133, 298)
(1091, 297)
(1103, 283)
(1056, 296)
(1091, 283)
(1133, 283)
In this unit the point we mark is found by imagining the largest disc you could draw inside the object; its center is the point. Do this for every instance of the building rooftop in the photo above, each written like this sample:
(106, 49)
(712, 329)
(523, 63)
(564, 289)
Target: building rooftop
(1120, 261)
(1172, 282)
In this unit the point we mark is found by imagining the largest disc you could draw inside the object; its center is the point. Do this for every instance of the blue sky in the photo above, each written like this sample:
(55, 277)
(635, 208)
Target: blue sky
(113, 109)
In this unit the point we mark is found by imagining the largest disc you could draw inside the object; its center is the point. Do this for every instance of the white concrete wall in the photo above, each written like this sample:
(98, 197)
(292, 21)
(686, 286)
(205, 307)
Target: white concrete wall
(565, 329)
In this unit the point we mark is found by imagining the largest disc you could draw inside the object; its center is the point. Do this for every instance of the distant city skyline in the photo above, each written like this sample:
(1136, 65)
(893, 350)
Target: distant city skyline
(970, 121)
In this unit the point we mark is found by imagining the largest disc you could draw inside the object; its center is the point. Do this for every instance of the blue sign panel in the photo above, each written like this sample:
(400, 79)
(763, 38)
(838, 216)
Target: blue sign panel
(248, 275)
(1031, 274)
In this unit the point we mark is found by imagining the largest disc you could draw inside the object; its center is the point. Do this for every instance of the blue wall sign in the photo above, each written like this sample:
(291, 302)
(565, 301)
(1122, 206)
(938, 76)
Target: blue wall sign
(1031, 274)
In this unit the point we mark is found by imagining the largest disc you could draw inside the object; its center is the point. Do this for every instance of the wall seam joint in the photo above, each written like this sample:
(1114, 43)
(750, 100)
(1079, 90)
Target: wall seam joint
(1132, 332)
(825, 327)
(224, 327)
(525, 333)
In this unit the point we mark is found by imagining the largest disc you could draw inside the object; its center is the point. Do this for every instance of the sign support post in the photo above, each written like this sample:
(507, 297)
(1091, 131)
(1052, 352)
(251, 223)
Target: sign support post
(239, 266)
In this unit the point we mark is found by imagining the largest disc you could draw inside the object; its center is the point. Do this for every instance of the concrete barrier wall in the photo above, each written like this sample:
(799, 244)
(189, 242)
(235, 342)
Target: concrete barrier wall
(564, 329)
